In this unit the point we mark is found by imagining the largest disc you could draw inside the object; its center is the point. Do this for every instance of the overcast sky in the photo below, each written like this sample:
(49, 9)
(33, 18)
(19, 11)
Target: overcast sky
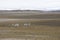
(30, 4)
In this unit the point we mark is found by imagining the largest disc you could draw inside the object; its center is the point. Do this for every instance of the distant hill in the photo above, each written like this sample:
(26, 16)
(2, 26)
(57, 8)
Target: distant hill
(20, 10)
(32, 11)
(54, 11)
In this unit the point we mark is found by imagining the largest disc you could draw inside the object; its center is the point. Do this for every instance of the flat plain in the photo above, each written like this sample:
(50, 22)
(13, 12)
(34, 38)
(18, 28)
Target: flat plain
(29, 26)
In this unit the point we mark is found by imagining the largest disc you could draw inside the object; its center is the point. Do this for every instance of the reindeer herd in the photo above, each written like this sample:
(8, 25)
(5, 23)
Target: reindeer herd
(18, 25)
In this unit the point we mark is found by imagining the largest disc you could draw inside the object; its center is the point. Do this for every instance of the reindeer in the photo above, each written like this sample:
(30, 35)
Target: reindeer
(14, 25)
(27, 24)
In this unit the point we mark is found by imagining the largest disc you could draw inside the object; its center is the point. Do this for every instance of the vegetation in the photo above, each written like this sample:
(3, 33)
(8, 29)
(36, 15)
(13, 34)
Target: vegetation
(30, 25)
(38, 29)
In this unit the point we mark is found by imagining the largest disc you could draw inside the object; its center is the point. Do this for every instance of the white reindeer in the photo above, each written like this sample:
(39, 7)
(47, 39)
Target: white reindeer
(27, 24)
(15, 25)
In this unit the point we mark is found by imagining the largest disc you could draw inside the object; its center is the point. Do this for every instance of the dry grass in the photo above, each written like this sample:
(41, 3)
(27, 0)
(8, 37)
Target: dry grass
(42, 26)
(32, 32)
(29, 15)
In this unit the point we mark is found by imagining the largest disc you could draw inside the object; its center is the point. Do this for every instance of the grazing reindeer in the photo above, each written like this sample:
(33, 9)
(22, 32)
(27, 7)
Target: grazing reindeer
(14, 25)
(27, 24)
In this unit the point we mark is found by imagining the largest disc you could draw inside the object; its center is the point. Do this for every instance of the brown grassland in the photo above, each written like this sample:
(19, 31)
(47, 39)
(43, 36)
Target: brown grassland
(42, 27)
